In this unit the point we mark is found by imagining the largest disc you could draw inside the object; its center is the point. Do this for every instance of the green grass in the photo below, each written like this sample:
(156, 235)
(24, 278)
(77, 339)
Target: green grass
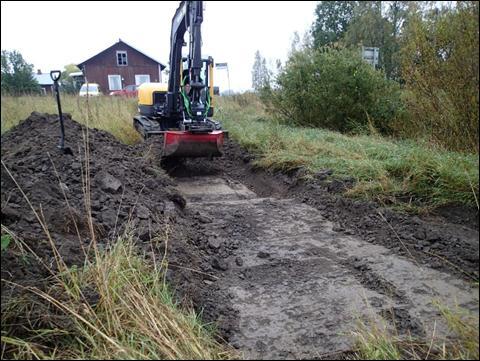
(384, 169)
(113, 114)
(6, 239)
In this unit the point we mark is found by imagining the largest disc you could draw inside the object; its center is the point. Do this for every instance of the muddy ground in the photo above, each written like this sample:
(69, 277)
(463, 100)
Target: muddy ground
(285, 266)
(300, 263)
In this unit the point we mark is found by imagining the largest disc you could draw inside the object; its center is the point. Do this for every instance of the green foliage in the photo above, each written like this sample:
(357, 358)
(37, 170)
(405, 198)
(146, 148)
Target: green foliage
(440, 62)
(333, 89)
(17, 76)
(368, 23)
(369, 27)
(68, 84)
(332, 19)
(6, 239)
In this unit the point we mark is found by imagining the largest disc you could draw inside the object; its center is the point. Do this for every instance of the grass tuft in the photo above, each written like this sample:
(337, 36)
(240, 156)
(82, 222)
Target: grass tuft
(378, 342)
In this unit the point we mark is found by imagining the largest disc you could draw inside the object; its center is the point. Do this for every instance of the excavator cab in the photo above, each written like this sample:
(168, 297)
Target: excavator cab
(182, 110)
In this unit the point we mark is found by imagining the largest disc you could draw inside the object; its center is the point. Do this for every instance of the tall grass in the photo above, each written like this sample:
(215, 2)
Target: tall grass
(118, 307)
(113, 114)
(384, 169)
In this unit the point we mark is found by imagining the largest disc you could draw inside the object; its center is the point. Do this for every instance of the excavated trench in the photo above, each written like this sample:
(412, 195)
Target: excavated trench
(295, 286)
(284, 267)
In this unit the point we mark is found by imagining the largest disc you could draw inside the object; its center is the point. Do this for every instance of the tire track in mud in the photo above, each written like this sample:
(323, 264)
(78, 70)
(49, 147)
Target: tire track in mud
(298, 287)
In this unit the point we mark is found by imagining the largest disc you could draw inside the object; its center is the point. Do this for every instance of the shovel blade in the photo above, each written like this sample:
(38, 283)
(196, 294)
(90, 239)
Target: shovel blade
(188, 145)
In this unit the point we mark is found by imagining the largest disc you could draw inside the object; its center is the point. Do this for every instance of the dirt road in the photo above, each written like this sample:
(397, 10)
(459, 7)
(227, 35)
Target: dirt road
(297, 287)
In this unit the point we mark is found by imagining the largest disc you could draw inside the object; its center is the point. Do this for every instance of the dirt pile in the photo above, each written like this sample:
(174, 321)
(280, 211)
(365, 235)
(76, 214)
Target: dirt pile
(121, 178)
(127, 188)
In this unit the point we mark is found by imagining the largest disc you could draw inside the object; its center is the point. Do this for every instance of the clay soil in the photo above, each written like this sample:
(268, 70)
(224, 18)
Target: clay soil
(282, 263)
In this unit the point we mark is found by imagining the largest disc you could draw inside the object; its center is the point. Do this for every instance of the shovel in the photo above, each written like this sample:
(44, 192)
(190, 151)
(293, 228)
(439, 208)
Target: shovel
(55, 75)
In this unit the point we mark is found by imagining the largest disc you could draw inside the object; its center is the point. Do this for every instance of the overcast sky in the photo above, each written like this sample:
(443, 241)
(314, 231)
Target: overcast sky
(52, 34)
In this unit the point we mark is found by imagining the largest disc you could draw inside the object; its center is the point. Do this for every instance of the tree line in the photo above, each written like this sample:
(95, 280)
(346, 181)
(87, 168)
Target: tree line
(18, 79)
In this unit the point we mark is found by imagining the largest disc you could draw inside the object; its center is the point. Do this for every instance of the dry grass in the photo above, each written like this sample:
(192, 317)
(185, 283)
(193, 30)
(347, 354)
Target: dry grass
(120, 308)
(113, 114)
(377, 342)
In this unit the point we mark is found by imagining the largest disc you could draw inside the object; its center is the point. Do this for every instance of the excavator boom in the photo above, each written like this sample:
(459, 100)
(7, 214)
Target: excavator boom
(183, 112)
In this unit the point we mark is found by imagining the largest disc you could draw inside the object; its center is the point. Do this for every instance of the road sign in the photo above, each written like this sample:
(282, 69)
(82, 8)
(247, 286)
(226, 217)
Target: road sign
(370, 55)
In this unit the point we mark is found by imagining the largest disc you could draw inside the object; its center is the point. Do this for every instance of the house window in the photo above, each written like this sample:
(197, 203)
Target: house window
(142, 78)
(122, 58)
(115, 82)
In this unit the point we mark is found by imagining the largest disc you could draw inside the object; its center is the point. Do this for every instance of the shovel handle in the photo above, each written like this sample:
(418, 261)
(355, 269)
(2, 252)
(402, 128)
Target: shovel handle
(55, 74)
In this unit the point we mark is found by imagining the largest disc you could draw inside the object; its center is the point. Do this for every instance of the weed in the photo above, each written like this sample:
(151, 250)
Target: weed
(377, 342)
(6, 239)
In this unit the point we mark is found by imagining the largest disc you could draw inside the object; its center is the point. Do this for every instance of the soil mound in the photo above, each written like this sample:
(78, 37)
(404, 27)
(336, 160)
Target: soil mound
(126, 186)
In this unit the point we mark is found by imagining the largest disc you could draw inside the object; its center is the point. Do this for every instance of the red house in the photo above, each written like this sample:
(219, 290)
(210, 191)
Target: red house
(121, 65)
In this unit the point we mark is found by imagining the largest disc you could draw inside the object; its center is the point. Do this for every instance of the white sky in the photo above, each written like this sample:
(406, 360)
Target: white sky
(50, 35)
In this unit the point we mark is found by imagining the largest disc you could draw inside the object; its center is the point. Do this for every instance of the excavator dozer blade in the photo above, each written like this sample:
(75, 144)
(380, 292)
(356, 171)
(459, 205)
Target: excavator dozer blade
(187, 144)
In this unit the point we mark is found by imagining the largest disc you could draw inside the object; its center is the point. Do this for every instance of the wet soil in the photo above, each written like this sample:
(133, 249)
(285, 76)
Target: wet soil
(446, 239)
(283, 265)
(291, 284)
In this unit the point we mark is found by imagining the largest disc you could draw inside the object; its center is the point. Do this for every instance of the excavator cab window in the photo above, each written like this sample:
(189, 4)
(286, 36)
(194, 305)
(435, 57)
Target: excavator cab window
(185, 85)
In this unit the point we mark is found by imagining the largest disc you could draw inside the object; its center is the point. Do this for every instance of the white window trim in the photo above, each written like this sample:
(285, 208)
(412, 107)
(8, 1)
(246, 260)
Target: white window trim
(121, 52)
(109, 84)
(138, 75)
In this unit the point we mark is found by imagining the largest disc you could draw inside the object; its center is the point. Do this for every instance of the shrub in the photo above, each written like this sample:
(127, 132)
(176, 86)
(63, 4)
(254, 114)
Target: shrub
(440, 68)
(334, 89)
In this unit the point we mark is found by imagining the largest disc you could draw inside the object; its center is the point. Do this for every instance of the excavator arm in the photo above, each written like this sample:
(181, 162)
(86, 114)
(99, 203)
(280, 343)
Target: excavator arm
(189, 16)
(183, 116)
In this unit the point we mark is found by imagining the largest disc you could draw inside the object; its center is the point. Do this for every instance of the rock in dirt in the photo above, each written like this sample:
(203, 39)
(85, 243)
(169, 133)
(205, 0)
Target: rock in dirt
(262, 254)
(219, 264)
(143, 212)
(108, 182)
(214, 242)
(239, 261)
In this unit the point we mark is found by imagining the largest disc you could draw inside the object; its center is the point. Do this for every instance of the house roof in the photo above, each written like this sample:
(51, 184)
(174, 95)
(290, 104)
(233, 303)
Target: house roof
(43, 79)
(118, 42)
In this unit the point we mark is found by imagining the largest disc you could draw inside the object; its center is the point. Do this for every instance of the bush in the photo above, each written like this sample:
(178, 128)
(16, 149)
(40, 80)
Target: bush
(440, 68)
(334, 89)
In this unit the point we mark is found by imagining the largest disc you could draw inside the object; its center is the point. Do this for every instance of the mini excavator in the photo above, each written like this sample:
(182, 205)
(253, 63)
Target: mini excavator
(181, 110)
